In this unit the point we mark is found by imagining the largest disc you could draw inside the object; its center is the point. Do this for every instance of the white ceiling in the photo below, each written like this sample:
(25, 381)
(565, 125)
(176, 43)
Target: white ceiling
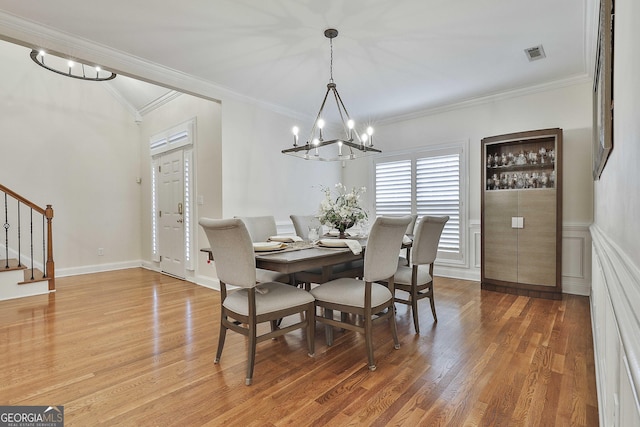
(391, 58)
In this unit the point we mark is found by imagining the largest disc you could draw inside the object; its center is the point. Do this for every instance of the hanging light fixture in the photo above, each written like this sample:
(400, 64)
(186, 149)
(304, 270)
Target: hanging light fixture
(70, 68)
(351, 145)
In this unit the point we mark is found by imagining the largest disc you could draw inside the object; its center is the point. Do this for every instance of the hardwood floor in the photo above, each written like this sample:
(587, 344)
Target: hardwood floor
(134, 347)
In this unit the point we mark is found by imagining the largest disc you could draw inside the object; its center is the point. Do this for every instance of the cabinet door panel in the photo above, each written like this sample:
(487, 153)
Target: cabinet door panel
(500, 240)
(537, 240)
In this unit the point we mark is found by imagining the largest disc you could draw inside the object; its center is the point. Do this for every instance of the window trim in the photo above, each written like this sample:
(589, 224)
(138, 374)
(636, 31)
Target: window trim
(460, 147)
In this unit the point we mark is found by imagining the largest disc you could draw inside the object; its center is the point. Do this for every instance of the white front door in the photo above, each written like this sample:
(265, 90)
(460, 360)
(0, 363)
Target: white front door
(171, 207)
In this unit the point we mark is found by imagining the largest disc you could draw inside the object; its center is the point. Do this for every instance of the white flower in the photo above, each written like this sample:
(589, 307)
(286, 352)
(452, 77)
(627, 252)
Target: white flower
(343, 211)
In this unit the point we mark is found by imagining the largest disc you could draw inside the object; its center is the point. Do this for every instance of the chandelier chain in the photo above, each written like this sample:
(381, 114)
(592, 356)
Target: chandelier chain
(331, 61)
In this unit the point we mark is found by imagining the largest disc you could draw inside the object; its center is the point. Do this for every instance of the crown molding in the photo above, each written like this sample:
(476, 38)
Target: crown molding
(159, 102)
(498, 96)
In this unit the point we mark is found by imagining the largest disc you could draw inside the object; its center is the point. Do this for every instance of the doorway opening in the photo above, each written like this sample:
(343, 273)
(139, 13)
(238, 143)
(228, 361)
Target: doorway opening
(172, 213)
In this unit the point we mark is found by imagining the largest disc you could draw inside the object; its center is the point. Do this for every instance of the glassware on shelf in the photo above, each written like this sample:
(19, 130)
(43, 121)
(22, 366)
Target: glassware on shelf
(544, 180)
(490, 183)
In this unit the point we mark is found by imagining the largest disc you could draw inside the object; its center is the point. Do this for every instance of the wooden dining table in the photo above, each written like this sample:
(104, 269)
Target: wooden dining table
(303, 256)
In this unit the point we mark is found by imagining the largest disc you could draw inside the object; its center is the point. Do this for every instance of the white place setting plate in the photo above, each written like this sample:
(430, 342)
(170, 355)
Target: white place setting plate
(285, 239)
(268, 246)
(333, 243)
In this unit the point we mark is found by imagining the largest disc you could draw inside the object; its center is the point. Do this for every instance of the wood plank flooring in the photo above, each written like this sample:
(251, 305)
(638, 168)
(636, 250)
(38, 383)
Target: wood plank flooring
(136, 348)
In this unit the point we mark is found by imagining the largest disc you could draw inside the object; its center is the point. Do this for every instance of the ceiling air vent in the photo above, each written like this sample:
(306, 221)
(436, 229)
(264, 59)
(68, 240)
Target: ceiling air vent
(534, 53)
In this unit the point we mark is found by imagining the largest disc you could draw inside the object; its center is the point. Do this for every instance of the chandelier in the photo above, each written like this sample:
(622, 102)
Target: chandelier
(70, 68)
(350, 145)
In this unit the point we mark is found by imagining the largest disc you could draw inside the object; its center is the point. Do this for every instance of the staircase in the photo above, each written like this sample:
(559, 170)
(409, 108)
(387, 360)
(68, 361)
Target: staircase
(26, 252)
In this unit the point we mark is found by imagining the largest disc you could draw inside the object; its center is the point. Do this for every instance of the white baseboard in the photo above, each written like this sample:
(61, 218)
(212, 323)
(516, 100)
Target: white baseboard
(456, 273)
(97, 268)
(207, 282)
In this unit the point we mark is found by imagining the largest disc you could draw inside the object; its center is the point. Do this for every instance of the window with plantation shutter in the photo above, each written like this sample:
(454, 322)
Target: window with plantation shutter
(438, 194)
(426, 182)
(393, 188)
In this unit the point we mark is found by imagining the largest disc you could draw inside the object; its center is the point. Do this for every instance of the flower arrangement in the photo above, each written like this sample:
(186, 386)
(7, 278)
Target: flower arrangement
(344, 211)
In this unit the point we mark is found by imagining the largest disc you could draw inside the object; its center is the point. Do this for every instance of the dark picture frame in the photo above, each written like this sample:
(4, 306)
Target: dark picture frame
(603, 90)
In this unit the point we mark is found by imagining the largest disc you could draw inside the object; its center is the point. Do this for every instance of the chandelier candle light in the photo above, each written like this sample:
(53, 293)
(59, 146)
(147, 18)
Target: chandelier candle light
(348, 148)
(69, 68)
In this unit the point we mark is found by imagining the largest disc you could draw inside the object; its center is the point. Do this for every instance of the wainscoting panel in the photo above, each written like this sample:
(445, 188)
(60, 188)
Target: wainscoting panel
(576, 259)
(615, 323)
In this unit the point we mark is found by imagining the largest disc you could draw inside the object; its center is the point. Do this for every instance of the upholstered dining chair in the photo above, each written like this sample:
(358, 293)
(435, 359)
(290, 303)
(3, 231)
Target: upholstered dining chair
(253, 303)
(366, 298)
(260, 229)
(301, 224)
(412, 225)
(416, 279)
(410, 229)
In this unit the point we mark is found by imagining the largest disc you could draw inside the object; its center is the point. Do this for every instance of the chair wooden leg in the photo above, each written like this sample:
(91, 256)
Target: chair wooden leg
(369, 342)
(328, 314)
(433, 305)
(251, 357)
(394, 329)
(414, 308)
(221, 337)
(311, 329)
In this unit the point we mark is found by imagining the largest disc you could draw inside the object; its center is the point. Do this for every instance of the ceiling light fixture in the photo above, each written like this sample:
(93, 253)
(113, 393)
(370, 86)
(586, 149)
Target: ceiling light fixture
(339, 148)
(69, 68)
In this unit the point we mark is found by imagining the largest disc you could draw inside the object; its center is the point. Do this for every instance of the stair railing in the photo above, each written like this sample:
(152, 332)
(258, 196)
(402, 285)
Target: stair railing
(48, 264)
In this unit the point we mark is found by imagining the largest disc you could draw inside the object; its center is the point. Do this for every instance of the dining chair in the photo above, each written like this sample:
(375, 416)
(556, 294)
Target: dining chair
(410, 230)
(301, 224)
(252, 303)
(260, 229)
(366, 298)
(415, 279)
(412, 225)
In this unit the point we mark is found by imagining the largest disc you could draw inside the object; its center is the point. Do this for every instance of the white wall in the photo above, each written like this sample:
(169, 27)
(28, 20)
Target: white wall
(616, 232)
(257, 178)
(567, 107)
(70, 144)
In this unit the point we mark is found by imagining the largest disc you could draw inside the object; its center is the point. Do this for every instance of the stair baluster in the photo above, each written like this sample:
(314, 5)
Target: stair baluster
(19, 239)
(31, 246)
(6, 231)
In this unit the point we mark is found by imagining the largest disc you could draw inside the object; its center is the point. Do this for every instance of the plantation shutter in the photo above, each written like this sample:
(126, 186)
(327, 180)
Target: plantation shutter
(393, 188)
(438, 194)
